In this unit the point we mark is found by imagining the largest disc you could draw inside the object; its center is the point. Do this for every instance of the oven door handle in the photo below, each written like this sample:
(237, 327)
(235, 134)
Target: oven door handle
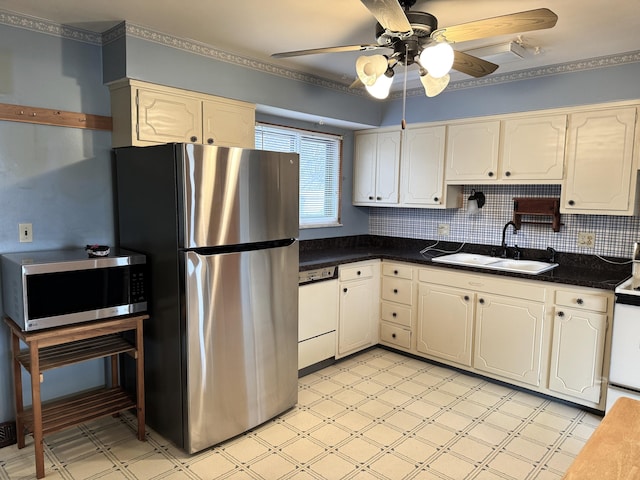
(628, 299)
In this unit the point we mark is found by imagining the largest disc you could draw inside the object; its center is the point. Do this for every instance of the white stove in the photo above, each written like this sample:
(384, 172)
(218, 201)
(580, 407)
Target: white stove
(624, 376)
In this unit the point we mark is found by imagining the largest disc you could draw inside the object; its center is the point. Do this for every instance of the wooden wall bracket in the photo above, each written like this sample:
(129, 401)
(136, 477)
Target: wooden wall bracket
(59, 118)
(534, 206)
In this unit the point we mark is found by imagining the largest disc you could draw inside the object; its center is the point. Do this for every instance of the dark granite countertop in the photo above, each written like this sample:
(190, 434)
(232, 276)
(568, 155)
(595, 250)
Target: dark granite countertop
(574, 269)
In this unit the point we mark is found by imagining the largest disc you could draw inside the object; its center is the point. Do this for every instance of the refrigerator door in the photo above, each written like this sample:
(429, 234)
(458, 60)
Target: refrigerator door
(242, 341)
(232, 196)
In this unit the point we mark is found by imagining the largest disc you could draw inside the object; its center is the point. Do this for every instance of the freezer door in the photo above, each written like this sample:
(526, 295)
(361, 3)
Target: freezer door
(231, 196)
(242, 341)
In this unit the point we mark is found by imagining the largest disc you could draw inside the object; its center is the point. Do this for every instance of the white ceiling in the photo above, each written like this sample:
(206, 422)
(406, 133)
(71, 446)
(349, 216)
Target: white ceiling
(586, 29)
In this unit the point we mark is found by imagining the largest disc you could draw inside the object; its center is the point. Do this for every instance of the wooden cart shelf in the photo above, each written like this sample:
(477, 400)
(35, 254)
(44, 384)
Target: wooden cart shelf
(70, 411)
(61, 346)
(79, 351)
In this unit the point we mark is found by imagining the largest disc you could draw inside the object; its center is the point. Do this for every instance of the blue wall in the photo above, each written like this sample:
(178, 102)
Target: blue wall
(59, 179)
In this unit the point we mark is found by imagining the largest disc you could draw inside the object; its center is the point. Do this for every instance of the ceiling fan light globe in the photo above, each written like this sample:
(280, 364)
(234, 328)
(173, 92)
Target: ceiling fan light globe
(437, 59)
(370, 69)
(434, 86)
(380, 89)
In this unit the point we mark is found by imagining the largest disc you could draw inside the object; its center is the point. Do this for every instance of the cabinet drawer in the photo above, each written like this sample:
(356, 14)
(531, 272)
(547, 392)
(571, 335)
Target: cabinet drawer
(355, 272)
(396, 290)
(399, 271)
(392, 312)
(395, 335)
(582, 300)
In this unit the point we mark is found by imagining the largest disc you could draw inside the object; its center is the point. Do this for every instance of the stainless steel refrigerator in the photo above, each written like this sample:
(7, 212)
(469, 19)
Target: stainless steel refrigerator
(219, 227)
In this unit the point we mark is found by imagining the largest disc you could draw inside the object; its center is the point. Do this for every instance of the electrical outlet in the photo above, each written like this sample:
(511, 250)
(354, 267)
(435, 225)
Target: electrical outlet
(586, 239)
(25, 232)
(443, 229)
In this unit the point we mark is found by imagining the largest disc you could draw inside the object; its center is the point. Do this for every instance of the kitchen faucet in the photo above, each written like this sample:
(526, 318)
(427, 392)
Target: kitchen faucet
(516, 254)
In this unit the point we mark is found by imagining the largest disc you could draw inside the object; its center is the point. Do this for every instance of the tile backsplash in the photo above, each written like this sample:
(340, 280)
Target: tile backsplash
(614, 235)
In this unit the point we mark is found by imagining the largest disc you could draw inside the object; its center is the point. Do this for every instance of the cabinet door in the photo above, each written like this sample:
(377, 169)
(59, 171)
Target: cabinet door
(445, 323)
(359, 308)
(364, 168)
(167, 117)
(388, 168)
(472, 151)
(228, 124)
(533, 148)
(508, 337)
(422, 166)
(600, 173)
(578, 353)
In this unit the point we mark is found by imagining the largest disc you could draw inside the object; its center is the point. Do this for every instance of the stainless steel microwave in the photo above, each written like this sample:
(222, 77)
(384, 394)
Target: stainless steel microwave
(52, 288)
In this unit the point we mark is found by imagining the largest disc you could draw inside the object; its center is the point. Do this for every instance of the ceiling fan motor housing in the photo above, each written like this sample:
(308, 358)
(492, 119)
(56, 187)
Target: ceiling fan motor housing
(407, 49)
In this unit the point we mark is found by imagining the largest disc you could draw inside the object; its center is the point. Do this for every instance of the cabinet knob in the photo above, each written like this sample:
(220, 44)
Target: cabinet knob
(571, 202)
(370, 198)
(393, 335)
(436, 199)
(395, 290)
(481, 301)
(395, 272)
(210, 141)
(561, 314)
(394, 314)
(358, 272)
(466, 298)
(580, 301)
(507, 173)
(378, 198)
(194, 139)
(345, 290)
(490, 174)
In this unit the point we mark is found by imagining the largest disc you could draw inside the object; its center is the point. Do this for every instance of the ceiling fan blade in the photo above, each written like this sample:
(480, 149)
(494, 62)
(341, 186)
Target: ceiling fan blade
(312, 51)
(357, 83)
(474, 66)
(391, 16)
(538, 19)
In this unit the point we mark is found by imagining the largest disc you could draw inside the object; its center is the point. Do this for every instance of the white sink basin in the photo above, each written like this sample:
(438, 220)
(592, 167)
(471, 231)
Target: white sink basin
(532, 267)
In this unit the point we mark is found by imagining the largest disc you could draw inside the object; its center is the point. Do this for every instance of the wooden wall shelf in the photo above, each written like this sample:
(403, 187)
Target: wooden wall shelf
(537, 207)
(49, 116)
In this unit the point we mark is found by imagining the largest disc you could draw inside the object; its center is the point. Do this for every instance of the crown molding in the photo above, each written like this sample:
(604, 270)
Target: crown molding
(125, 28)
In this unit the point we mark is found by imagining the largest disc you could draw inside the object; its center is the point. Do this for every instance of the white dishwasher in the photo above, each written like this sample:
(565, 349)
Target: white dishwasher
(317, 316)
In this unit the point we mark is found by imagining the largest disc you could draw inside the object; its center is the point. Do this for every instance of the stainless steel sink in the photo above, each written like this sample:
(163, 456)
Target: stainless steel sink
(531, 267)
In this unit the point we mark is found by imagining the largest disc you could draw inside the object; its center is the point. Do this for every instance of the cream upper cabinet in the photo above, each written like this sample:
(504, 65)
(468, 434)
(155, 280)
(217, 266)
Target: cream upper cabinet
(508, 337)
(532, 149)
(472, 152)
(422, 166)
(168, 117)
(228, 123)
(358, 306)
(579, 332)
(376, 168)
(601, 163)
(148, 114)
(445, 322)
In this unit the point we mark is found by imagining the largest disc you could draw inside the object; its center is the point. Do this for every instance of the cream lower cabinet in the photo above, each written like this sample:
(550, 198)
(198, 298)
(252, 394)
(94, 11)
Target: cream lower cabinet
(580, 326)
(359, 306)
(397, 305)
(147, 114)
(445, 322)
(508, 337)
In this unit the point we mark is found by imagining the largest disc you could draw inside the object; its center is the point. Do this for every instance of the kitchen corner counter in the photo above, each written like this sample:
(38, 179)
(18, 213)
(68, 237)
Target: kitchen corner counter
(574, 269)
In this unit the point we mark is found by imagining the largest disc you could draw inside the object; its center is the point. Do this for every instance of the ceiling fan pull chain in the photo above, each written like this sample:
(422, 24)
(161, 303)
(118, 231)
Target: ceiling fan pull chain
(404, 88)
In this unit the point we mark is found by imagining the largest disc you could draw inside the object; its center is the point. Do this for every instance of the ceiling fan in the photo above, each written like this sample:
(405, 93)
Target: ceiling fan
(415, 38)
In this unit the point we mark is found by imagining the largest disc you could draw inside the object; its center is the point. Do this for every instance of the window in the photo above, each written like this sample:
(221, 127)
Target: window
(319, 170)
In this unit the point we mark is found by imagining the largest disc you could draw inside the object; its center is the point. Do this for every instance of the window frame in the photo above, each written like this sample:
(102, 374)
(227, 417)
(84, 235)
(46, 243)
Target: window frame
(299, 133)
